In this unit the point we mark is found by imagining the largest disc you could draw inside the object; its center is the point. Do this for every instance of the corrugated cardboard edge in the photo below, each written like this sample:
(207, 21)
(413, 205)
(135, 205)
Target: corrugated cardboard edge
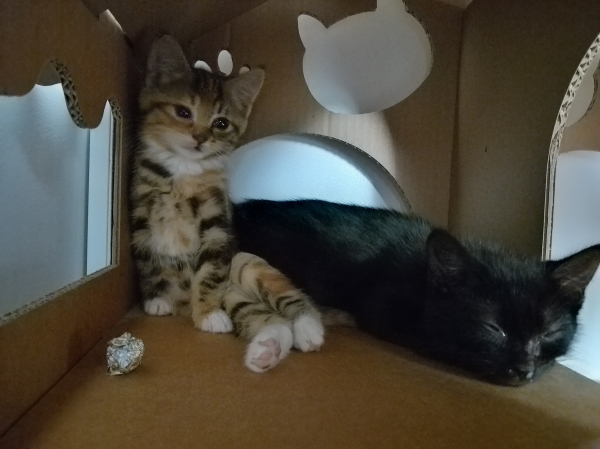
(555, 145)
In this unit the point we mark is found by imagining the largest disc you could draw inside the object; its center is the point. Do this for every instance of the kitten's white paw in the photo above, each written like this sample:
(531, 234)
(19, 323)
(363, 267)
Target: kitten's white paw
(270, 346)
(158, 306)
(217, 322)
(308, 333)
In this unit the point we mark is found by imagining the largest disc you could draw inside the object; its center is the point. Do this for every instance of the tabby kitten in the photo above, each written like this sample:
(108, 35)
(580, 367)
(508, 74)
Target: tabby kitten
(182, 245)
(499, 316)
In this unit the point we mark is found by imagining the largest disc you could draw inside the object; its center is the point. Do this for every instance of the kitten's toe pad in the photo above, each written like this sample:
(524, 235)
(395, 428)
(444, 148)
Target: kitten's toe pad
(158, 306)
(270, 346)
(308, 333)
(216, 322)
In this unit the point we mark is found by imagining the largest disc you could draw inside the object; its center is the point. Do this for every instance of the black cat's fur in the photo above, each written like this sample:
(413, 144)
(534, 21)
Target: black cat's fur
(499, 316)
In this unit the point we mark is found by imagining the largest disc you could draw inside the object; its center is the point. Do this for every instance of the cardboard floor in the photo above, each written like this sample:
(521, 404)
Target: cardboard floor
(192, 391)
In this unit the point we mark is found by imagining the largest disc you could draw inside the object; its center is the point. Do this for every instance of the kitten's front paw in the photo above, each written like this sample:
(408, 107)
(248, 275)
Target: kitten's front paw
(158, 306)
(308, 333)
(216, 322)
(270, 346)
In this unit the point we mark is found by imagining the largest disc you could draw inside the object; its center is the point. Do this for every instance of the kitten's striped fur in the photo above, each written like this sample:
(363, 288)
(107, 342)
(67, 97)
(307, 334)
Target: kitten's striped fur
(181, 214)
(267, 309)
(182, 244)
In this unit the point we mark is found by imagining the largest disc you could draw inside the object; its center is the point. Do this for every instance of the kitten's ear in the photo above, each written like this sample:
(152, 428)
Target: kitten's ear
(311, 30)
(575, 272)
(243, 89)
(166, 62)
(448, 260)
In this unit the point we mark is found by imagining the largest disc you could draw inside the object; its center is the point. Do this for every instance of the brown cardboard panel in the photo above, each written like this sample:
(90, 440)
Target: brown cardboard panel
(192, 390)
(37, 349)
(518, 57)
(39, 346)
(412, 140)
(459, 3)
(93, 50)
(185, 19)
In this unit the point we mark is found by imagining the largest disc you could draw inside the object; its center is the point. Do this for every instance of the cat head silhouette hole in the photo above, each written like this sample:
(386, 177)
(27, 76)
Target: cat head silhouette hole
(366, 62)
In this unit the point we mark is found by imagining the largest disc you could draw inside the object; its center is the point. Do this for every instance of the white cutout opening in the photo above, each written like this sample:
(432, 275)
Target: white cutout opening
(199, 64)
(584, 95)
(576, 226)
(367, 62)
(308, 166)
(225, 62)
(56, 189)
(244, 69)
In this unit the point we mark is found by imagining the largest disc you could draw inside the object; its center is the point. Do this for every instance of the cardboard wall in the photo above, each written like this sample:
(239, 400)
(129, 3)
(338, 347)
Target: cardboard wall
(412, 140)
(518, 58)
(40, 344)
(184, 19)
(485, 176)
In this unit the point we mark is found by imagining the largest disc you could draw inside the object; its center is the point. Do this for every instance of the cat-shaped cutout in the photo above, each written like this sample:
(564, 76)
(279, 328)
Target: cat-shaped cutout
(366, 62)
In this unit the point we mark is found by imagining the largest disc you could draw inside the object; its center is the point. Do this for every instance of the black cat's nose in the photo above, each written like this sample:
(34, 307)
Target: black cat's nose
(522, 373)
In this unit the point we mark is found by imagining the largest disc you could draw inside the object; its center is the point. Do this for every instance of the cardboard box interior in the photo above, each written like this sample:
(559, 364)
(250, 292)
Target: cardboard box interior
(469, 148)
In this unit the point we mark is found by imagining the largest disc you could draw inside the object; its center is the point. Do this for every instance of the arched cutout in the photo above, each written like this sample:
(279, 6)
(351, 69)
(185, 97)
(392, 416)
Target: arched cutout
(366, 62)
(555, 143)
(573, 200)
(309, 166)
(57, 179)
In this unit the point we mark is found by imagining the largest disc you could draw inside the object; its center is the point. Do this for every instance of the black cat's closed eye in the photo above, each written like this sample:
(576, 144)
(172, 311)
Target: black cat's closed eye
(552, 335)
(220, 123)
(495, 328)
(183, 112)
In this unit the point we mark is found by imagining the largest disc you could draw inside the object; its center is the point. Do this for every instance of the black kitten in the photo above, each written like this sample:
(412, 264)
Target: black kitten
(499, 316)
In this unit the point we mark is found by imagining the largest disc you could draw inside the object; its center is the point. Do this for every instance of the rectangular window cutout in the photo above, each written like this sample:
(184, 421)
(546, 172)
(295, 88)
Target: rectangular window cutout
(56, 193)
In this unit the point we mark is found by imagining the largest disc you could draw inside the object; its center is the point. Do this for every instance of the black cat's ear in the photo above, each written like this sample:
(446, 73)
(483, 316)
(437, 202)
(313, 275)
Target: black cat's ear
(574, 273)
(448, 260)
(166, 62)
(243, 89)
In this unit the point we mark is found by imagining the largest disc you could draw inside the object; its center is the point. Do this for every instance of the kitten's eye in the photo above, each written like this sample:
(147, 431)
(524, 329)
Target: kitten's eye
(220, 123)
(495, 328)
(183, 112)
